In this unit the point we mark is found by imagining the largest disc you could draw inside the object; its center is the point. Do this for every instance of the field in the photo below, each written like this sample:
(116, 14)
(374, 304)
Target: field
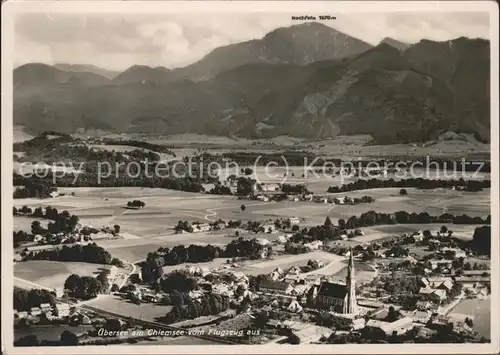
(24, 223)
(52, 274)
(480, 310)
(115, 304)
(342, 146)
(147, 229)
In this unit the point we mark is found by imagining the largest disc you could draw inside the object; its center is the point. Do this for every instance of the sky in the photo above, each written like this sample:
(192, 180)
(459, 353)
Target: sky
(116, 42)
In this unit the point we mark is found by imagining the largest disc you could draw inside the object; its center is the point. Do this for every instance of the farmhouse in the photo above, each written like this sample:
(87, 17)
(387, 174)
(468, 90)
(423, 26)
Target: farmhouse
(262, 198)
(317, 244)
(473, 282)
(400, 326)
(201, 227)
(294, 307)
(45, 307)
(21, 315)
(269, 187)
(62, 310)
(423, 305)
(421, 317)
(275, 287)
(281, 239)
(294, 220)
(35, 311)
(459, 253)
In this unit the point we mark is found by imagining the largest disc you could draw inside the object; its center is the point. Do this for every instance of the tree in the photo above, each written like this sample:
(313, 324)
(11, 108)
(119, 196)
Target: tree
(36, 228)
(294, 339)
(328, 222)
(403, 192)
(72, 283)
(115, 288)
(392, 316)
(68, 338)
(116, 228)
(427, 233)
(481, 240)
(443, 229)
(243, 208)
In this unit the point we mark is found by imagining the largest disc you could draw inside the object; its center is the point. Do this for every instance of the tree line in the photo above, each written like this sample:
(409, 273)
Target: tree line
(151, 269)
(24, 300)
(419, 183)
(32, 187)
(95, 179)
(62, 221)
(207, 304)
(139, 144)
(328, 231)
(90, 253)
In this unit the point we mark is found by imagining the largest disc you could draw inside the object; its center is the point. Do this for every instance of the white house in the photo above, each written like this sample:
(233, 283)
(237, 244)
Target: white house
(45, 307)
(281, 239)
(294, 220)
(262, 198)
(421, 316)
(400, 326)
(295, 307)
(35, 311)
(201, 227)
(263, 241)
(315, 245)
(62, 310)
(269, 187)
(22, 315)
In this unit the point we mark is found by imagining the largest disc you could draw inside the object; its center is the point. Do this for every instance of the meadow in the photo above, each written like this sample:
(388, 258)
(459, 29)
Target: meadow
(24, 223)
(149, 228)
(479, 310)
(53, 274)
(115, 304)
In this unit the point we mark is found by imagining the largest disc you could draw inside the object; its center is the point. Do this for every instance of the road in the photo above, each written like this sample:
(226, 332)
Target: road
(452, 304)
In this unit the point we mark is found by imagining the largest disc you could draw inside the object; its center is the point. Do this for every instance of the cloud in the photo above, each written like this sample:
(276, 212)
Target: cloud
(118, 41)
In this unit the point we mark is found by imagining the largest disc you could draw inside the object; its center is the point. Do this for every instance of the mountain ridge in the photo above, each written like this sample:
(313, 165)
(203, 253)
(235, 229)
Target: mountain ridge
(396, 96)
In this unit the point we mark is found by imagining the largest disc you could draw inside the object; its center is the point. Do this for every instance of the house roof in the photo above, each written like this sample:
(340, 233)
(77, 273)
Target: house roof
(472, 279)
(448, 284)
(423, 303)
(45, 305)
(426, 290)
(421, 314)
(276, 285)
(440, 293)
(332, 290)
(475, 272)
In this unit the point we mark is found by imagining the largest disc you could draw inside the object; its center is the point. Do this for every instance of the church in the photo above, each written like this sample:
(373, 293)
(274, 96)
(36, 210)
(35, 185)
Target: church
(339, 297)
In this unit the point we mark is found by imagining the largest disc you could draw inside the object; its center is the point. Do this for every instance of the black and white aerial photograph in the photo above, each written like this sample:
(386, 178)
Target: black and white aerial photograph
(238, 173)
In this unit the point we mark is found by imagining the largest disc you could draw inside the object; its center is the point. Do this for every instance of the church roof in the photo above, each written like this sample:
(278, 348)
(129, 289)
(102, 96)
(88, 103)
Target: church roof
(332, 290)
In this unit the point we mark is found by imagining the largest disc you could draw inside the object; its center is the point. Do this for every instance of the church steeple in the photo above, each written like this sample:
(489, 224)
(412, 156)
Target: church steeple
(351, 285)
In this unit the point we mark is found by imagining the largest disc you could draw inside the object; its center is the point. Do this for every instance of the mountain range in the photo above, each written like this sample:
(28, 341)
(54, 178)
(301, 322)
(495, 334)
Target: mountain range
(306, 80)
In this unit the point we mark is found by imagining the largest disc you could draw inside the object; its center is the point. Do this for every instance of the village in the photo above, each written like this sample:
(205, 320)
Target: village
(416, 282)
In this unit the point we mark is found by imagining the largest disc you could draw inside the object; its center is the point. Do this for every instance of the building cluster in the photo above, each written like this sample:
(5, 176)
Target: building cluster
(57, 311)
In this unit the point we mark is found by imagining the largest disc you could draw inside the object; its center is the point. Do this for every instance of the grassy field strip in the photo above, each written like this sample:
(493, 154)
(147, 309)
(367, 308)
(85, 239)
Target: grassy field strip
(28, 285)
